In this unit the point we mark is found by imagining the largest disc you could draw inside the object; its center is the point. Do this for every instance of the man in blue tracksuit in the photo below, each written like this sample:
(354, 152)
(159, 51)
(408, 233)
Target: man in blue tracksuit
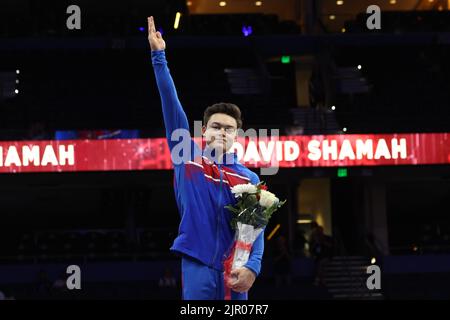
(203, 181)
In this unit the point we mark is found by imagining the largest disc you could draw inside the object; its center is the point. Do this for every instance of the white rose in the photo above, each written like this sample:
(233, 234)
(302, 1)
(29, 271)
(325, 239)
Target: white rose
(267, 199)
(239, 189)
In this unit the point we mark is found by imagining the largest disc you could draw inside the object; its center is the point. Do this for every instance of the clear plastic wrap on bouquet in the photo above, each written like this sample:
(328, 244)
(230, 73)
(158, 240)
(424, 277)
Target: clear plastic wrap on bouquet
(245, 236)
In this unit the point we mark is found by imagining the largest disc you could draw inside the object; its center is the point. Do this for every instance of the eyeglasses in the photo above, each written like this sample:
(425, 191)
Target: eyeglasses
(217, 128)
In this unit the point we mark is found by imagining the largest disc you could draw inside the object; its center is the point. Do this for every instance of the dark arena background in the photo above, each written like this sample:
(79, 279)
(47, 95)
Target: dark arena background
(363, 113)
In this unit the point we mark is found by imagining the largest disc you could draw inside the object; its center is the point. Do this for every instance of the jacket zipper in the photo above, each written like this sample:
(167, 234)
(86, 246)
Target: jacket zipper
(218, 217)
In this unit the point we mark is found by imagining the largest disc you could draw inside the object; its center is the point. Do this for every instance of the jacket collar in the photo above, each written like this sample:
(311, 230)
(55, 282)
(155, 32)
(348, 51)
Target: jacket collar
(228, 158)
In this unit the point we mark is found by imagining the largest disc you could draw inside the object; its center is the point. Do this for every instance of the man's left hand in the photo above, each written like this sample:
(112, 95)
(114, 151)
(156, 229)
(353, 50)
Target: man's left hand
(242, 279)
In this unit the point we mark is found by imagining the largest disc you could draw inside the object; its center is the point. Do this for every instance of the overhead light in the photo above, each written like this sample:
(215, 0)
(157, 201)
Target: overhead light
(17, 80)
(373, 261)
(440, 8)
(359, 67)
(344, 129)
(16, 91)
(333, 108)
(247, 30)
(177, 20)
(258, 3)
(189, 3)
(343, 30)
(304, 221)
(332, 17)
(17, 71)
(430, 0)
(392, 1)
(339, 2)
(222, 3)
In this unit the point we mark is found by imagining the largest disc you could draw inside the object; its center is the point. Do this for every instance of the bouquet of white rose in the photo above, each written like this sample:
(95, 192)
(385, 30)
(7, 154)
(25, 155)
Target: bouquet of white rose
(250, 215)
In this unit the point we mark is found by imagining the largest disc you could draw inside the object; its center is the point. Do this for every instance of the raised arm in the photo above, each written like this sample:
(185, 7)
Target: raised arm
(173, 113)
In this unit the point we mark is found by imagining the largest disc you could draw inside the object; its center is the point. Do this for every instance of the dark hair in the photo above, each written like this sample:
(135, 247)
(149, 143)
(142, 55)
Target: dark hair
(223, 107)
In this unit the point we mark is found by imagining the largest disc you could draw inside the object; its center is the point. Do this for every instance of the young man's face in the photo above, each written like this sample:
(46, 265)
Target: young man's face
(220, 132)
